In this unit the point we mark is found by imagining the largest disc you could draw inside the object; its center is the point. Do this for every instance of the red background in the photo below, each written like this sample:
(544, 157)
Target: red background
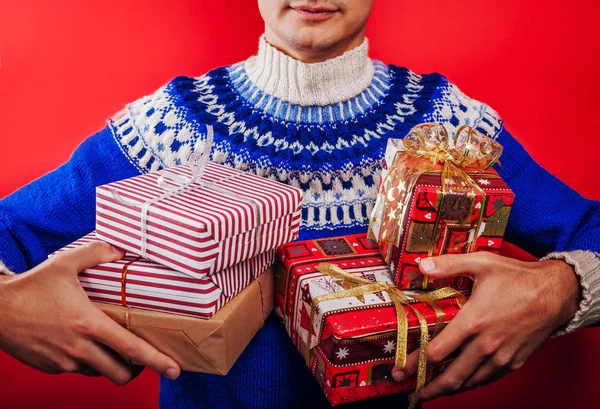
(68, 65)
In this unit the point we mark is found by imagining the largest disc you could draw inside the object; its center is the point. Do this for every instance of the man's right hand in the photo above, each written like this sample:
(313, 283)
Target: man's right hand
(47, 322)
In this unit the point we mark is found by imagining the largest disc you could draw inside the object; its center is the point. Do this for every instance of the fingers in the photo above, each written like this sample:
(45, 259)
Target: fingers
(86, 370)
(99, 360)
(446, 342)
(89, 255)
(132, 348)
(449, 265)
(453, 378)
(498, 365)
(486, 374)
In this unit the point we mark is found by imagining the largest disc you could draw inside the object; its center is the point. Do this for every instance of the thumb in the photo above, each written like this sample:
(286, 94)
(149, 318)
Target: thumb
(450, 265)
(89, 255)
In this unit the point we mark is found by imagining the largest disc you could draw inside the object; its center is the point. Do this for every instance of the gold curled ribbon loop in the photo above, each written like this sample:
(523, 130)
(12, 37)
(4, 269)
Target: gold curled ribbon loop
(428, 147)
(399, 299)
(475, 151)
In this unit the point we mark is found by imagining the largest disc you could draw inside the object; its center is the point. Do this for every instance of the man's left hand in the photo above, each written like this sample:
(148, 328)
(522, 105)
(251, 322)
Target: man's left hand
(514, 307)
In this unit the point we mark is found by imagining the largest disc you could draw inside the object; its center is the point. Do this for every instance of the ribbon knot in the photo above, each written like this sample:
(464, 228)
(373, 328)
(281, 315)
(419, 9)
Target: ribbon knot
(173, 185)
(197, 162)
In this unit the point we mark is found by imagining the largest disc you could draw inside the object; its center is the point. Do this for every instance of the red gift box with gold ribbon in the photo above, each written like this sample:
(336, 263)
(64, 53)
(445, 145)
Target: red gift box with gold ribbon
(338, 302)
(439, 196)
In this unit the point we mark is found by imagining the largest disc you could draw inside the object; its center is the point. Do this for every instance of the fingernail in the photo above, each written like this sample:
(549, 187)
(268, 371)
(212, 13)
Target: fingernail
(427, 265)
(398, 375)
(171, 373)
(116, 250)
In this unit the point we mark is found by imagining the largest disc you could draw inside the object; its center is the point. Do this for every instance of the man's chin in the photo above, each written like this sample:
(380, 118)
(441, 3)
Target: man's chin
(312, 38)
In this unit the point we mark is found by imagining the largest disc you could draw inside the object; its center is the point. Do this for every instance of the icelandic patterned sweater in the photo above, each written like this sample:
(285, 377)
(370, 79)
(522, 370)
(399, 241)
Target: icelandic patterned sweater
(322, 127)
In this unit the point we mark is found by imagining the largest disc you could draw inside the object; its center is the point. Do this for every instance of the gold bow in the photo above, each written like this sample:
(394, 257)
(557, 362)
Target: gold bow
(426, 148)
(361, 287)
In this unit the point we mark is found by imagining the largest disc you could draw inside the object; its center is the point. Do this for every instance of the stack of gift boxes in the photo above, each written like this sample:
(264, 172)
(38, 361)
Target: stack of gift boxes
(355, 306)
(196, 279)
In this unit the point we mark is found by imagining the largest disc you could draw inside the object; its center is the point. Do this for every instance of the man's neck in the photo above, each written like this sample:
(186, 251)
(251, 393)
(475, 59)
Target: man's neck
(314, 55)
(322, 83)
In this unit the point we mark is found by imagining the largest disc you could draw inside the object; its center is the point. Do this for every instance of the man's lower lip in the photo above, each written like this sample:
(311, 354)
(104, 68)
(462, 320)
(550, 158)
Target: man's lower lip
(315, 15)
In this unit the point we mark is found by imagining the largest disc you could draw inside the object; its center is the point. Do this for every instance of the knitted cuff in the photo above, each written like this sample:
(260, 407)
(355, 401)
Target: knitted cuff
(587, 267)
(4, 270)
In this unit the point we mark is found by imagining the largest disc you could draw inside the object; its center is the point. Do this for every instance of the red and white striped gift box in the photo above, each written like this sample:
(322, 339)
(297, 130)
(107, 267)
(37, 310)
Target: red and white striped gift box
(151, 286)
(228, 217)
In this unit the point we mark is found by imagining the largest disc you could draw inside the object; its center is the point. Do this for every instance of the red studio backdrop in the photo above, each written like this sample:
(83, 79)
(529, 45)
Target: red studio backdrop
(68, 65)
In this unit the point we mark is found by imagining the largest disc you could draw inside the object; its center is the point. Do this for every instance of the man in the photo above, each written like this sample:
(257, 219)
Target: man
(312, 110)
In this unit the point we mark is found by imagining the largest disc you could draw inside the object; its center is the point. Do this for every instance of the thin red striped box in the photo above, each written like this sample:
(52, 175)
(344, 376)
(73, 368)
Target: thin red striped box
(151, 286)
(225, 218)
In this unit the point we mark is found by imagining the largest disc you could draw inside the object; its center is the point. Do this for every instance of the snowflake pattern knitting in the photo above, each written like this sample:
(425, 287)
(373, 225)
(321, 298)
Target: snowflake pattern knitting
(332, 152)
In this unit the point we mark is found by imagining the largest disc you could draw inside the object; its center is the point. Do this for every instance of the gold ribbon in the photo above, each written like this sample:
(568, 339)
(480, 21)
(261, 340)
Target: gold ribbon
(362, 287)
(427, 148)
(124, 280)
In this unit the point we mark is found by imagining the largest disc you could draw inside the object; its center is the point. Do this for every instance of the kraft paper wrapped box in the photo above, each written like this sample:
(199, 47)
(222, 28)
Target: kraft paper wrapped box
(209, 346)
(197, 219)
(136, 282)
(352, 343)
(439, 196)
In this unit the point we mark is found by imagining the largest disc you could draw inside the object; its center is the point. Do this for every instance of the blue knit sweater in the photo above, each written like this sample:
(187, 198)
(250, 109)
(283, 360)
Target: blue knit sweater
(333, 152)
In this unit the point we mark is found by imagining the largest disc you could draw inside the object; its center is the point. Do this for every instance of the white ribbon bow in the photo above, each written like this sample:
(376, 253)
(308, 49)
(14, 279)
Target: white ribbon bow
(197, 162)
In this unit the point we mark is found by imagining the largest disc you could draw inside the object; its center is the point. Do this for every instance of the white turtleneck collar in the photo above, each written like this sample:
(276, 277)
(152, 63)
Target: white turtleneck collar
(324, 83)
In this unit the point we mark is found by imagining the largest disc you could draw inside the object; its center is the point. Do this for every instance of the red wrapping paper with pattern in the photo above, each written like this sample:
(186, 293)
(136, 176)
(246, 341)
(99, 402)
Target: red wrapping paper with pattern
(350, 348)
(425, 209)
(224, 218)
(446, 213)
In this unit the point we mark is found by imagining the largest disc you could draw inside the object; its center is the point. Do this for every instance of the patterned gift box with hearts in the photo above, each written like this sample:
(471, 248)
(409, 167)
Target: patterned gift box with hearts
(350, 343)
(440, 210)
(426, 216)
